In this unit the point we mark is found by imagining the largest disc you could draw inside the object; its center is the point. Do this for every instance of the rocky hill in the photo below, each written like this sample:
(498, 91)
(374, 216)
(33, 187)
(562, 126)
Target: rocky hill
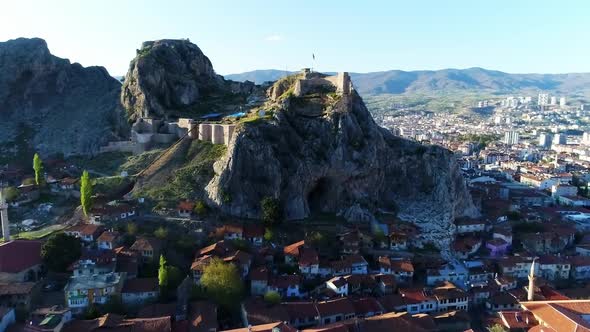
(321, 152)
(171, 78)
(441, 82)
(52, 106)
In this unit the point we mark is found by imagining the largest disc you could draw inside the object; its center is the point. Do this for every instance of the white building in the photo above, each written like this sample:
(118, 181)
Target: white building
(511, 137)
(562, 102)
(560, 139)
(545, 140)
(543, 99)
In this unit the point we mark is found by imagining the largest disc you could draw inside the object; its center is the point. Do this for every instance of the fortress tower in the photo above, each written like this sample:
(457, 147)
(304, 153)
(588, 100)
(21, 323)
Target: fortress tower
(343, 85)
(4, 217)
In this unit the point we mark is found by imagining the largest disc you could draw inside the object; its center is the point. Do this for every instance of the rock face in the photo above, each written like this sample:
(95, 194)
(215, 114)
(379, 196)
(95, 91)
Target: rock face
(168, 76)
(52, 106)
(324, 153)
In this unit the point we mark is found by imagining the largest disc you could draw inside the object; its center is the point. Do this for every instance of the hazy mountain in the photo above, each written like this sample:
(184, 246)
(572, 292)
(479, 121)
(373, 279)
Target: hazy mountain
(449, 80)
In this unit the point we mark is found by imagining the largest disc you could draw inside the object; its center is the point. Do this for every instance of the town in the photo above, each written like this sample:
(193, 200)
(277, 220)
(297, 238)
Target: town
(521, 264)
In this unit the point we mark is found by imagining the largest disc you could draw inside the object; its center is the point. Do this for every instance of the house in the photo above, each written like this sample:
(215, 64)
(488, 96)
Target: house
(450, 297)
(417, 300)
(113, 211)
(553, 267)
(254, 234)
(516, 320)
(232, 232)
(286, 285)
(18, 294)
(147, 247)
(335, 311)
(398, 241)
(87, 233)
(463, 247)
(358, 264)
(515, 266)
(198, 267)
(7, 318)
(367, 307)
(339, 285)
(83, 291)
(580, 267)
(20, 261)
(403, 270)
(241, 259)
(468, 225)
(115, 323)
(140, 291)
(480, 294)
(127, 262)
(50, 319)
(506, 283)
(291, 252)
(386, 283)
(308, 261)
(108, 240)
(502, 301)
(455, 272)
(497, 247)
(350, 242)
(185, 209)
(259, 281)
(503, 234)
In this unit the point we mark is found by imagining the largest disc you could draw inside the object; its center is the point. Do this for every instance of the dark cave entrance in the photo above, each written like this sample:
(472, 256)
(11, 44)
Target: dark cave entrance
(316, 199)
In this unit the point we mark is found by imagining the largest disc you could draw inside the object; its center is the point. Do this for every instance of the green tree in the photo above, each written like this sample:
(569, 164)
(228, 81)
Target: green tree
(10, 193)
(163, 273)
(38, 167)
(161, 233)
(222, 283)
(268, 234)
(175, 277)
(271, 211)
(86, 192)
(200, 208)
(497, 328)
(91, 312)
(272, 297)
(59, 251)
(114, 305)
(131, 228)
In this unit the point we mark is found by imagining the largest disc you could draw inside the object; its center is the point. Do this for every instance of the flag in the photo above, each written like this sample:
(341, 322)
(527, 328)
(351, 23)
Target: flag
(313, 56)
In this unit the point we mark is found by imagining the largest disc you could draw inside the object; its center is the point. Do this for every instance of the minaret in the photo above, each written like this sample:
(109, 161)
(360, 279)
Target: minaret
(4, 217)
(531, 290)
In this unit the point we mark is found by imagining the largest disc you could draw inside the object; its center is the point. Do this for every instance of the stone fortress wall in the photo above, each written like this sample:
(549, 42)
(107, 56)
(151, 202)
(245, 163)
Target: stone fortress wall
(310, 82)
(147, 132)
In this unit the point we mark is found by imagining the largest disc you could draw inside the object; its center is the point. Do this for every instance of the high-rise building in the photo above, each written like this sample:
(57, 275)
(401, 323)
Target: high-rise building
(553, 100)
(560, 139)
(562, 101)
(511, 137)
(543, 99)
(545, 140)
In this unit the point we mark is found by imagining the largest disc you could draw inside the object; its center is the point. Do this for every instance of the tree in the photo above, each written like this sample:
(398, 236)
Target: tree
(200, 208)
(272, 297)
(496, 328)
(86, 192)
(60, 251)
(114, 305)
(163, 272)
(161, 233)
(222, 283)
(38, 167)
(10, 193)
(131, 228)
(271, 212)
(268, 234)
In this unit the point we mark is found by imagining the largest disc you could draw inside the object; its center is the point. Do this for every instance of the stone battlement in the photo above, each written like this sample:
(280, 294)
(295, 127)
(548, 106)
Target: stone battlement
(313, 82)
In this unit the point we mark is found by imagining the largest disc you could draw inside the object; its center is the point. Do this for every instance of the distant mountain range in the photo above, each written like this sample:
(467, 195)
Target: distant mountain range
(445, 81)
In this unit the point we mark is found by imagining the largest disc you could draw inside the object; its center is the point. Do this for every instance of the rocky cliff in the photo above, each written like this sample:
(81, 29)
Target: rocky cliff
(52, 106)
(322, 152)
(171, 78)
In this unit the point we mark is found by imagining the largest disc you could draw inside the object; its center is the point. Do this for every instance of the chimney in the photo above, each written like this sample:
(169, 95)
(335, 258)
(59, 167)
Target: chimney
(4, 217)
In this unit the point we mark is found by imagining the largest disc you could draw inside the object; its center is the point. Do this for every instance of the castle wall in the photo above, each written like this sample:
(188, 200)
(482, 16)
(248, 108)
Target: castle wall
(228, 131)
(217, 137)
(205, 132)
(164, 138)
(343, 83)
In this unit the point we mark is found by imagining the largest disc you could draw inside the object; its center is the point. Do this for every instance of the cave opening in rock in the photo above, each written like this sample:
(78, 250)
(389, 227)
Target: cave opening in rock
(316, 199)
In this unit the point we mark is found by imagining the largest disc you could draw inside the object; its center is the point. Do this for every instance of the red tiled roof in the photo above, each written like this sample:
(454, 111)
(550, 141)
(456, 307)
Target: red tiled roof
(278, 326)
(293, 249)
(340, 306)
(561, 315)
(19, 255)
(108, 236)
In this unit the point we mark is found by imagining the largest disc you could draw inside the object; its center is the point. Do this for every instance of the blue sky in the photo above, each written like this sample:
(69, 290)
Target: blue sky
(359, 36)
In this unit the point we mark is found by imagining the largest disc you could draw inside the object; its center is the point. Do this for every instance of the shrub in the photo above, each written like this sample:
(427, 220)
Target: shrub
(270, 210)
(272, 297)
(200, 208)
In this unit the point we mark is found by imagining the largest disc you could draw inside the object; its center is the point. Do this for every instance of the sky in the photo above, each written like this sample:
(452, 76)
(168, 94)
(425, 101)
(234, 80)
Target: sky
(517, 36)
